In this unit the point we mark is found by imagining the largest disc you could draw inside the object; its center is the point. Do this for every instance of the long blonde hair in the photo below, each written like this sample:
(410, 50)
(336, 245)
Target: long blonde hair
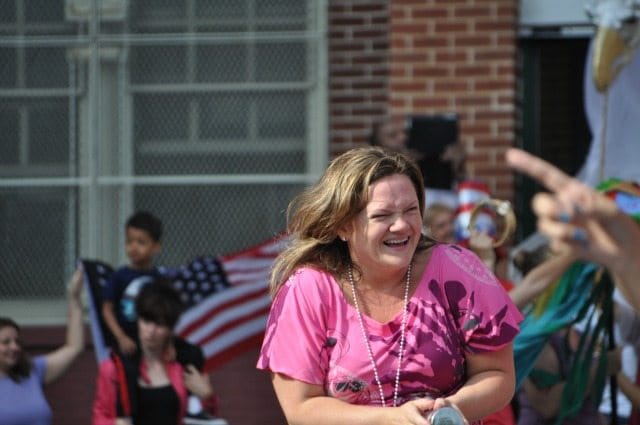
(316, 214)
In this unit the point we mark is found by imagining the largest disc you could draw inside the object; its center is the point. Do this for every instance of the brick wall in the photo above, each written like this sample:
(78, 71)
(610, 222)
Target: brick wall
(358, 70)
(427, 56)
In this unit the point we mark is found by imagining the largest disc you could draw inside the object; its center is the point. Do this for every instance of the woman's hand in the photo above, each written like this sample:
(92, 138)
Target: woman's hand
(74, 289)
(126, 345)
(196, 382)
(414, 412)
(439, 403)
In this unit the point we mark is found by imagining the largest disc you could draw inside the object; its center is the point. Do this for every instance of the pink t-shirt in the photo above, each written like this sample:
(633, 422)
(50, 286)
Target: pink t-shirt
(313, 334)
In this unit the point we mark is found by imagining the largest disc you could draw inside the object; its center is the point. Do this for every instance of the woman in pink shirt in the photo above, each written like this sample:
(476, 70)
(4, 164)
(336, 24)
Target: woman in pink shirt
(371, 321)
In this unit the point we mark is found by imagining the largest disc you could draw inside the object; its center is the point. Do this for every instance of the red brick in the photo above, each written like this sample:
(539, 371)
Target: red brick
(369, 7)
(472, 11)
(431, 103)
(475, 40)
(431, 71)
(494, 55)
(476, 127)
(486, 84)
(451, 85)
(495, 25)
(336, 20)
(414, 86)
(347, 72)
(369, 33)
(450, 56)
(431, 41)
(458, 26)
(408, 58)
(368, 59)
(479, 71)
(350, 46)
(491, 142)
(408, 28)
(429, 13)
(473, 100)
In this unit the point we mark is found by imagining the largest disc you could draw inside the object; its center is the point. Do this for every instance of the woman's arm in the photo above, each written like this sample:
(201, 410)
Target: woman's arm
(539, 279)
(490, 385)
(59, 360)
(630, 389)
(306, 404)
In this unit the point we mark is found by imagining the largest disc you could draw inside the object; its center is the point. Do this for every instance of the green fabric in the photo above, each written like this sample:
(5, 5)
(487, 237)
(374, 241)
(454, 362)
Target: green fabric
(543, 379)
(571, 302)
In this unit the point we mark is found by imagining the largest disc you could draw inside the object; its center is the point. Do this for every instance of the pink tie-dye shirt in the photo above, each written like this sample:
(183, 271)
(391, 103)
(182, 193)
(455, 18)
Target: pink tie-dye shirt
(313, 334)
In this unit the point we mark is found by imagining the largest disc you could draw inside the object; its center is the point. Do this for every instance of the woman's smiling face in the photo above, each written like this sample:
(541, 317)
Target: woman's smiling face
(9, 348)
(383, 237)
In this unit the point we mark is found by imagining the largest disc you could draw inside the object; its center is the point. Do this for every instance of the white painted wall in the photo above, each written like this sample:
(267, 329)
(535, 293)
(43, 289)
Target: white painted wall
(537, 13)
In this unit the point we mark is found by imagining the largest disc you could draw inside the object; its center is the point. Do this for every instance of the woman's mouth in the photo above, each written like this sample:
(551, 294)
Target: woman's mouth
(397, 242)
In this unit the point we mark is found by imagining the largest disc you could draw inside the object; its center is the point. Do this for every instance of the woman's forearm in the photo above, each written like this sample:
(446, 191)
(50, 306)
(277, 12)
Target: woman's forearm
(75, 326)
(483, 394)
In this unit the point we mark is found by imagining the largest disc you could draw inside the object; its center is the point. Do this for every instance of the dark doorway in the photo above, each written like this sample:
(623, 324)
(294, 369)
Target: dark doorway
(552, 122)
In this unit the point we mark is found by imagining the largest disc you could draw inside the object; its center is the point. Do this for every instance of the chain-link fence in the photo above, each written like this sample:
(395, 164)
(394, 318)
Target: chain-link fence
(210, 113)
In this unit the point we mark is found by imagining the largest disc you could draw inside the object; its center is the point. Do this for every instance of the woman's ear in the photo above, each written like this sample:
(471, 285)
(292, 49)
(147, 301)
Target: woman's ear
(344, 232)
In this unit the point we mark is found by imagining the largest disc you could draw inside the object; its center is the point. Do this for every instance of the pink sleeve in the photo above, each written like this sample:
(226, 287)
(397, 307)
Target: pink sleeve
(296, 329)
(483, 310)
(104, 404)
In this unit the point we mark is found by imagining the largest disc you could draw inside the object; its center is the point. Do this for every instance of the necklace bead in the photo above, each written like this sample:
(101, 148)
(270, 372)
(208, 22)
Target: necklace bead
(365, 335)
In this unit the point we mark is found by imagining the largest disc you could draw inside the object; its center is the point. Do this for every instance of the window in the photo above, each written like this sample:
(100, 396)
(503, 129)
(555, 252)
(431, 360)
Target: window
(212, 114)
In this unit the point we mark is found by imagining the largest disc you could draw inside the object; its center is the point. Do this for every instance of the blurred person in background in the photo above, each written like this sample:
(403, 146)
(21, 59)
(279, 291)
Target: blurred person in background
(22, 401)
(151, 385)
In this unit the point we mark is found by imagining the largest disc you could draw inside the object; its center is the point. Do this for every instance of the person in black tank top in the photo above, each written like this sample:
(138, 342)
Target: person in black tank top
(151, 386)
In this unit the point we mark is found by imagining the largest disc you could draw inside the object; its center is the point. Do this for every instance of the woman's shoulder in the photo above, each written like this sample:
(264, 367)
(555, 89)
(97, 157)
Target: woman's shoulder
(309, 276)
(309, 283)
(458, 263)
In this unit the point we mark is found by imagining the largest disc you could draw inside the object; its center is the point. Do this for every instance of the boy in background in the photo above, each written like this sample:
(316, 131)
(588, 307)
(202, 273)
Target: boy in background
(143, 231)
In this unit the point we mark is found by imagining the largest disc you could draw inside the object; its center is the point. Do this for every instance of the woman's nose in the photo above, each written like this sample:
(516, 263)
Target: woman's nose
(399, 222)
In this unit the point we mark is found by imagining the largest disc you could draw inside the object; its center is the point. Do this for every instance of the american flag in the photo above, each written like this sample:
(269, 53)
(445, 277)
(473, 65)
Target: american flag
(227, 300)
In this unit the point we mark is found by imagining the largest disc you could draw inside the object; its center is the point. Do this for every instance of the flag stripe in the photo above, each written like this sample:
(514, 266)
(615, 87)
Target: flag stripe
(219, 317)
(213, 308)
(264, 312)
(235, 335)
(217, 360)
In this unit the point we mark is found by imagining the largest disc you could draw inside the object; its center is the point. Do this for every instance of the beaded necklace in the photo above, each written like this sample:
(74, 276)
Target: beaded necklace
(366, 336)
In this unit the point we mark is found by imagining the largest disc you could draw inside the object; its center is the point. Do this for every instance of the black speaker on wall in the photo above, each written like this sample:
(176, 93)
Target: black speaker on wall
(429, 136)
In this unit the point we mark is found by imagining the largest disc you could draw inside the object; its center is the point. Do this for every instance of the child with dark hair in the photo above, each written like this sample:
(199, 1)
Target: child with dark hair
(143, 232)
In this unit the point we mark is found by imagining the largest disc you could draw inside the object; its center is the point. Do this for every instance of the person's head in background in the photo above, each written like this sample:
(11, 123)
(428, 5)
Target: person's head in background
(14, 362)
(143, 232)
(158, 308)
(439, 223)
(389, 134)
